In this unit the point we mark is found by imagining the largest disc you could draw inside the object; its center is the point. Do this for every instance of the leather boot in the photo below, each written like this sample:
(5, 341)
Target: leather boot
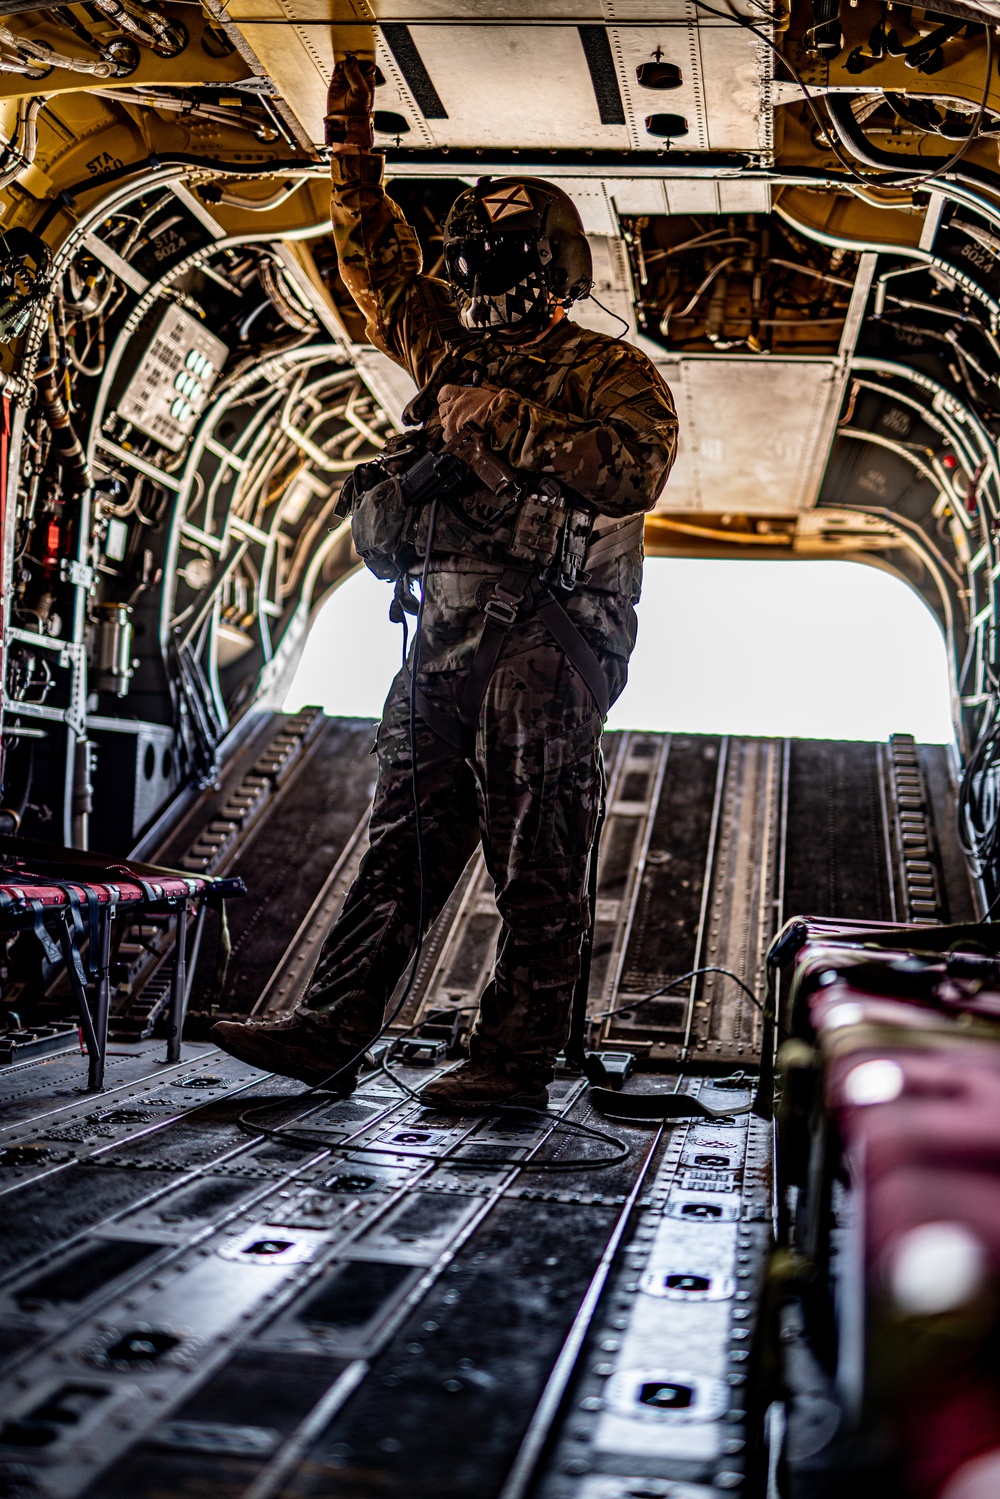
(475, 1087)
(302, 1045)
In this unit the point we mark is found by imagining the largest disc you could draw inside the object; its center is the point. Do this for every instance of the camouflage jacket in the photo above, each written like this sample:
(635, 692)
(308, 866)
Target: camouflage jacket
(579, 406)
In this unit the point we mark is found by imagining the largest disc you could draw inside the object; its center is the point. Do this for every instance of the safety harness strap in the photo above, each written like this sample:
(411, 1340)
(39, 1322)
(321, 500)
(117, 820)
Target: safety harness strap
(575, 648)
(510, 591)
(448, 729)
(501, 610)
(607, 545)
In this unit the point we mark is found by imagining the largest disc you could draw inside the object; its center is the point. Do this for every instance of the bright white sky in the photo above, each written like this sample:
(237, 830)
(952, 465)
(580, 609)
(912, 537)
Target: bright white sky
(812, 650)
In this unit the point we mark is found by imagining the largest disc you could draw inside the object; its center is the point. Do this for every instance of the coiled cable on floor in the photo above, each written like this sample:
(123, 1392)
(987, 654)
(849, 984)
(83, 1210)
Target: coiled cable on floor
(284, 1136)
(313, 1140)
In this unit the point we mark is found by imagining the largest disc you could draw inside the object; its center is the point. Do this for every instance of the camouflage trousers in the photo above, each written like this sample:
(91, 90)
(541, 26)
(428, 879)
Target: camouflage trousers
(531, 793)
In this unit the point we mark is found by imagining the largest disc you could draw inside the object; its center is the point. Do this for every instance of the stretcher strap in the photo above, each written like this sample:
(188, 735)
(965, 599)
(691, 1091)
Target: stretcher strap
(41, 931)
(72, 919)
(73, 904)
(152, 893)
(74, 931)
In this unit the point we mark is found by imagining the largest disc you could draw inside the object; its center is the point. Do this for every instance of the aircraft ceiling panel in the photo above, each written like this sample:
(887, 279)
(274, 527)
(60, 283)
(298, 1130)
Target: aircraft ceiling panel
(518, 86)
(576, 86)
(754, 433)
(737, 70)
(535, 86)
(676, 46)
(717, 194)
(723, 92)
(298, 59)
(638, 195)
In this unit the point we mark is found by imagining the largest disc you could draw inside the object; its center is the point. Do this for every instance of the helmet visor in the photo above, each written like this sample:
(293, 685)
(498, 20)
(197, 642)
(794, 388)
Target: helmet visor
(492, 263)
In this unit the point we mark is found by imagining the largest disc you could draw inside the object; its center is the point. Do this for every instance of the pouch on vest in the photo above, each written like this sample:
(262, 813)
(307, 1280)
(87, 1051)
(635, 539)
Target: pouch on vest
(380, 526)
(538, 528)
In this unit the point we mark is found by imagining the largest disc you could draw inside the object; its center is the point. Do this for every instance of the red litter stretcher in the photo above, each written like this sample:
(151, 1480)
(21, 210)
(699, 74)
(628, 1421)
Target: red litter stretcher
(78, 904)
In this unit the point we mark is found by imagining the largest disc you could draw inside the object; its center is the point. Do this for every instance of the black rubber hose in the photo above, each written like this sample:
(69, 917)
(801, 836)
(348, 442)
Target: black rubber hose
(64, 439)
(828, 37)
(851, 136)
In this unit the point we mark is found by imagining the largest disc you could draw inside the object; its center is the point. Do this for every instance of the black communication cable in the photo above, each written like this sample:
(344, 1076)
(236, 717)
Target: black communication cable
(281, 1135)
(624, 321)
(748, 25)
(682, 979)
(317, 1140)
(855, 139)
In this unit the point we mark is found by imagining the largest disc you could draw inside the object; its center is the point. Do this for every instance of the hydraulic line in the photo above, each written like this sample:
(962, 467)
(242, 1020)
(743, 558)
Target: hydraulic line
(716, 270)
(47, 57)
(901, 451)
(296, 317)
(152, 98)
(71, 453)
(175, 158)
(854, 139)
(24, 142)
(736, 538)
(161, 36)
(969, 456)
(807, 270)
(261, 205)
(944, 403)
(922, 258)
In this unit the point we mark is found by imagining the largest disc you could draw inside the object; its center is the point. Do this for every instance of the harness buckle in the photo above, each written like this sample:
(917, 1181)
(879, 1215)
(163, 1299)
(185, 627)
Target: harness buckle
(503, 611)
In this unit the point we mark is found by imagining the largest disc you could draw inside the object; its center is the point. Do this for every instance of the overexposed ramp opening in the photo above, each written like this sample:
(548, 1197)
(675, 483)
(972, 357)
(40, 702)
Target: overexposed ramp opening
(811, 650)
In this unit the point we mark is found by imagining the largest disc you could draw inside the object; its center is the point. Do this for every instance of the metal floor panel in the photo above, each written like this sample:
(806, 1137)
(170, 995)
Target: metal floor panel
(376, 1302)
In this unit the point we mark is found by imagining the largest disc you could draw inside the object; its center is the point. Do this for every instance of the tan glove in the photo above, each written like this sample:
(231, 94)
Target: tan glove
(350, 100)
(466, 406)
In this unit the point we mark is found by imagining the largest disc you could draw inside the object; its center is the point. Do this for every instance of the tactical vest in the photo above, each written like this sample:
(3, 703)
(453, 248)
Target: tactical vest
(539, 540)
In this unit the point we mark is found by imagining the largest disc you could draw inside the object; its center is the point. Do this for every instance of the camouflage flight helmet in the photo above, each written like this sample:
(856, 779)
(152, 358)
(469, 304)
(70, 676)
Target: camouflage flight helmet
(511, 245)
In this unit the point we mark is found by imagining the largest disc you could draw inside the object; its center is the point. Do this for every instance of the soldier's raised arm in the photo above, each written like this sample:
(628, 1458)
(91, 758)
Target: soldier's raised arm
(407, 314)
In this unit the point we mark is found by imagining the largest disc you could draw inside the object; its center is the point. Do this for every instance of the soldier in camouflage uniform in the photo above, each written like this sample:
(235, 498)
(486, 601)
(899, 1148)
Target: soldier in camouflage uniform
(553, 399)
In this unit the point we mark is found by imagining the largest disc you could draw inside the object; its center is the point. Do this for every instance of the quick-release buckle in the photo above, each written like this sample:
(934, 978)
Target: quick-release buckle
(502, 610)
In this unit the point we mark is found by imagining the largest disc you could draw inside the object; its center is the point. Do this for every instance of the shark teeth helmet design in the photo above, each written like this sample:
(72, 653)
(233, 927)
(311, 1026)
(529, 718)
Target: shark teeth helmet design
(511, 245)
(527, 301)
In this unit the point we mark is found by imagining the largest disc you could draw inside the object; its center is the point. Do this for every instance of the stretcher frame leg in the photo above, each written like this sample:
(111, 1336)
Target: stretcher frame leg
(178, 979)
(95, 1047)
(103, 998)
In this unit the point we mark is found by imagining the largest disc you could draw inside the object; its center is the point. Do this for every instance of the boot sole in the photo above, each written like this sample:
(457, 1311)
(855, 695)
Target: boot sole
(269, 1059)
